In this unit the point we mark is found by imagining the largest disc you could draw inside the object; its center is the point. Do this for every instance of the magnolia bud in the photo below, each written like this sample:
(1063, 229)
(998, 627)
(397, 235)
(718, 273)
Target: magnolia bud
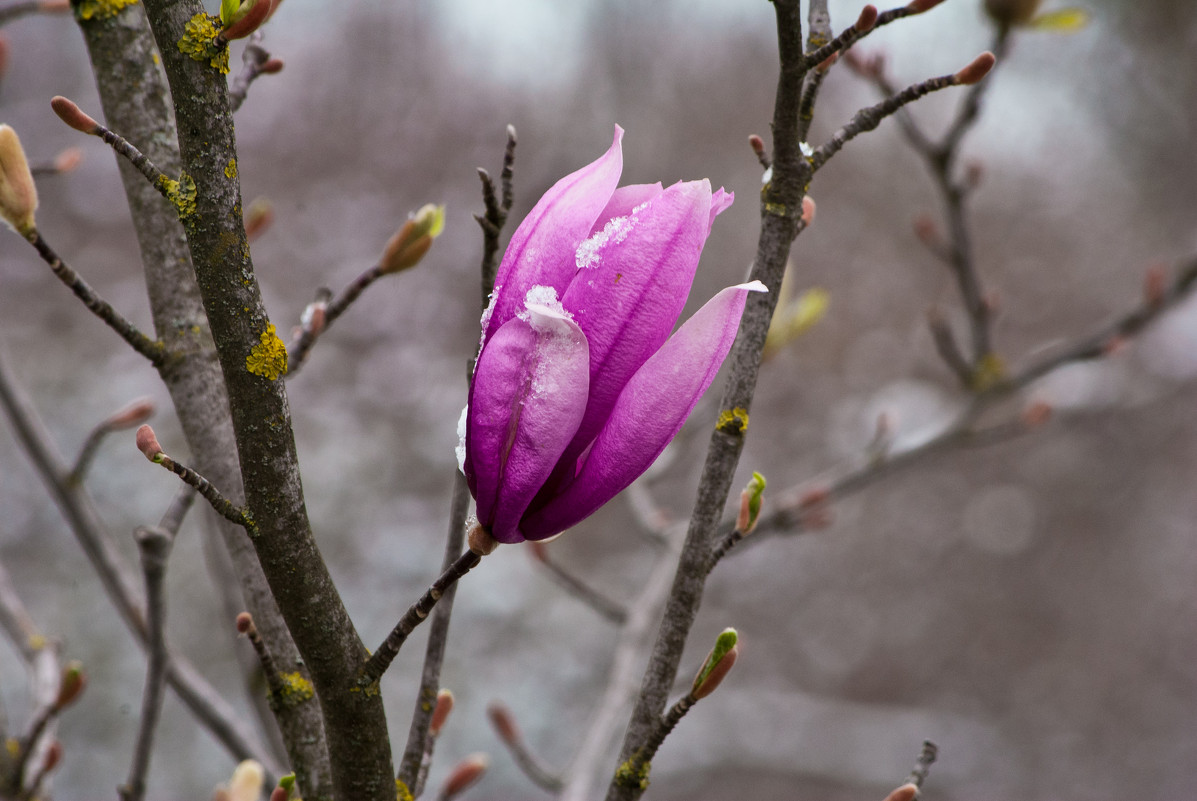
(718, 664)
(504, 723)
(480, 540)
(750, 504)
(413, 239)
(18, 193)
(53, 756)
(242, 19)
(147, 443)
(3, 55)
(466, 773)
(440, 713)
(73, 116)
(246, 784)
(135, 413)
(1155, 285)
(258, 217)
(245, 622)
(1036, 414)
(271, 66)
(907, 792)
(919, 6)
(978, 69)
(867, 19)
(278, 794)
(68, 159)
(73, 682)
(808, 210)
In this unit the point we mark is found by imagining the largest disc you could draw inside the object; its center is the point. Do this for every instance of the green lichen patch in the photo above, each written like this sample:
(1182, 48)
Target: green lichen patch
(733, 421)
(269, 357)
(199, 42)
(293, 689)
(181, 193)
(633, 774)
(100, 9)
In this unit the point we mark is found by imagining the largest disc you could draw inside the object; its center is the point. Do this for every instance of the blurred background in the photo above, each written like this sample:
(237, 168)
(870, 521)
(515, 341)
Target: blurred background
(1029, 606)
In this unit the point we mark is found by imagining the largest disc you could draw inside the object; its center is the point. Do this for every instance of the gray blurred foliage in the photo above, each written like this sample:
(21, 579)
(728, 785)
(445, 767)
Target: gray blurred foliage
(1029, 606)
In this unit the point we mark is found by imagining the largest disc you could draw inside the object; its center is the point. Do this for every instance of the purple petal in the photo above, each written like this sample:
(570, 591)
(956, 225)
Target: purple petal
(649, 413)
(720, 202)
(624, 200)
(528, 395)
(541, 251)
(631, 287)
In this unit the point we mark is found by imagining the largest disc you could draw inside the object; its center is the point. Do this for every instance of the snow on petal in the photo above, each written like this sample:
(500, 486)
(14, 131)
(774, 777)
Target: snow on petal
(529, 393)
(542, 248)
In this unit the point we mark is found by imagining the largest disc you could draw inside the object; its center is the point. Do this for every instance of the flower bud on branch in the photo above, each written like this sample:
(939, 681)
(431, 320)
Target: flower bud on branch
(147, 443)
(74, 116)
(718, 664)
(18, 193)
(750, 504)
(504, 723)
(978, 69)
(74, 681)
(413, 239)
(440, 714)
(465, 774)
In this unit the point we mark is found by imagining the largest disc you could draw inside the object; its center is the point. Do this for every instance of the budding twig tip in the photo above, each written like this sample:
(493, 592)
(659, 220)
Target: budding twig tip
(867, 19)
(978, 69)
(147, 443)
(70, 113)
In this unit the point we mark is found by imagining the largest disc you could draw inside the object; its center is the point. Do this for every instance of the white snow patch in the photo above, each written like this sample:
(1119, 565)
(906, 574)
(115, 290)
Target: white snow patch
(461, 435)
(615, 231)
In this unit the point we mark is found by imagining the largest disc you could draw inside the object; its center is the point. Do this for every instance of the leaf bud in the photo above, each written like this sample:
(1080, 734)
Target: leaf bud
(750, 504)
(867, 19)
(718, 664)
(440, 713)
(135, 413)
(74, 116)
(147, 443)
(907, 792)
(504, 722)
(464, 775)
(977, 69)
(18, 193)
(73, 682)
(247, 781)
(413, 239)
(1011, 12)
(480, 540)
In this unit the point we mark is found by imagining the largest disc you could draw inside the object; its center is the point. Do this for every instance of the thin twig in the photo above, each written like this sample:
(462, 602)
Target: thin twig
(252, 60)
(381, 659)
(495, 218)
(298, 351)
(420, 743)
(509, 734)
(223, 506)
(922, 765)
(154, 545)
(607, 608)
(634, 770)
(204, 701)
(869, 118)
(150, 348)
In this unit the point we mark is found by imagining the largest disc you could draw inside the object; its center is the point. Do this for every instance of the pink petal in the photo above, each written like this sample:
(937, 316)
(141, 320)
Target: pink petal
(720, 202)
(541, 251)
(624, 200)
(649, 413)
(528, 395)
(629, 296)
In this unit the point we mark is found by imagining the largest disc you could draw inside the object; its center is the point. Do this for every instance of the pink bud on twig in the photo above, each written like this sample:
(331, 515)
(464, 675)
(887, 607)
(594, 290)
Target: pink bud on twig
(73, 116)
(147, 443)
(258, 218)
(278, 794)
(464, 775)
(919, 6)
(1155, 285)
(271, 66)
(73, 682)
(808, 210)
(907, 792)
(480, 540)
(867, 19)
(135, 413)
(53, 756)
(504, 722)
(245, 623)
(826, 64)
(978, 69)
(440, 713)
(1036, 414)
(68, 159)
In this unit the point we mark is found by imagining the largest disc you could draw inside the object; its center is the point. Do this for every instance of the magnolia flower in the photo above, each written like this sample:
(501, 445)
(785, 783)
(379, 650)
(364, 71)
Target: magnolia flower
(578, 386)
